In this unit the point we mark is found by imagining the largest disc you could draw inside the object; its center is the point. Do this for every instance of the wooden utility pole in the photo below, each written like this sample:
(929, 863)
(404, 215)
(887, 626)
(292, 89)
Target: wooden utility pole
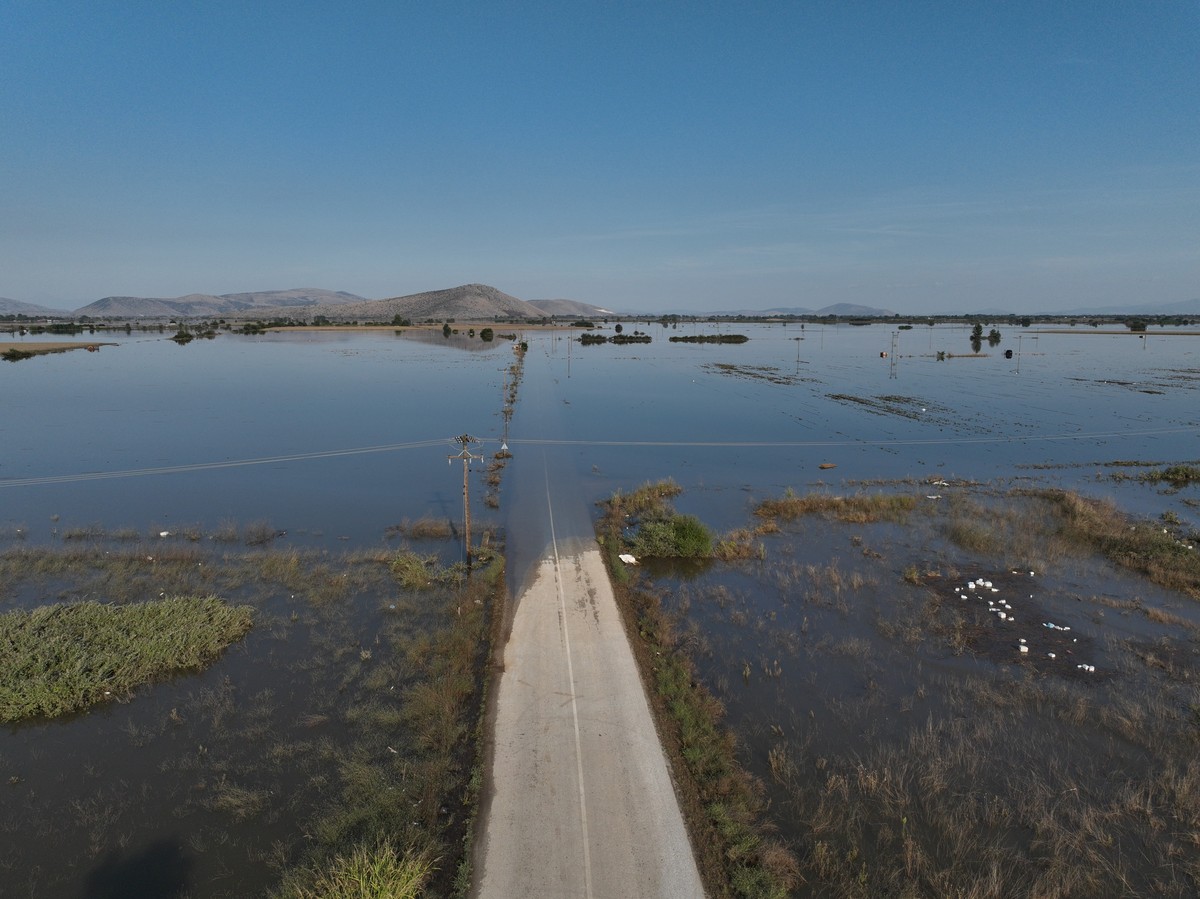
(466, 440)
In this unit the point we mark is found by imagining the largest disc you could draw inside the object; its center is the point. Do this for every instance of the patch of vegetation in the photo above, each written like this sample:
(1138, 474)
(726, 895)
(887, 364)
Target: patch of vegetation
(15, 355)
(414, 572)
(710, 338)
(860, 508)
(366, 872)
(676, 536)
(422, 529)
(769, 373)
(1175, 475)
(1137, 545)
(63, 658)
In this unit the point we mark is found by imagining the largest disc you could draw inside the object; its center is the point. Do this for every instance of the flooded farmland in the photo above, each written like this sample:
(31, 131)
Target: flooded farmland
(906, 744)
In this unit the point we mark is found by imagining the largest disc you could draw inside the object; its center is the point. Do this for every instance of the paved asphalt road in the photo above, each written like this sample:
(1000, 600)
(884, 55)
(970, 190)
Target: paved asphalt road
(581, 801)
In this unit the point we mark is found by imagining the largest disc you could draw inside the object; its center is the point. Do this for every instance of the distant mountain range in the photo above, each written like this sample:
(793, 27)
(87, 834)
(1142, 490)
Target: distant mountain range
(850, 310)
(1185, 307)
(16, 307)
(469, 301)
(206, 305)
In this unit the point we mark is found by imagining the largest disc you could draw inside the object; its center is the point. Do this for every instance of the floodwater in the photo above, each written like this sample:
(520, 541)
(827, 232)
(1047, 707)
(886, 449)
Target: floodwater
(761, 415)
(330, 438)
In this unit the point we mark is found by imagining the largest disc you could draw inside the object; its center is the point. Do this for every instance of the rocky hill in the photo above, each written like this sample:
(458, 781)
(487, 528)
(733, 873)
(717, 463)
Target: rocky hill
(470, 302)
(207, 305)
(16, 307)
(572, 308)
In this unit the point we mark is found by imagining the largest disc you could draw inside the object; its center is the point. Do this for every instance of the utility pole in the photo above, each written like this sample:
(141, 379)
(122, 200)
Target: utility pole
(466, 440)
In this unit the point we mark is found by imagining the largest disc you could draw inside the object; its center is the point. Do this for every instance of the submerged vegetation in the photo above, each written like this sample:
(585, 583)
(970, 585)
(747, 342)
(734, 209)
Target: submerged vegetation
(337, 749)
(653, 529)
(62, 658)
(913, 746)
(710, 338)
(860, 508)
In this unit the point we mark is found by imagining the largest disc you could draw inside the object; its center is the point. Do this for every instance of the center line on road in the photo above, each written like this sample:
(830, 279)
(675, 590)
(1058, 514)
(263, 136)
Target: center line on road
(562, 616)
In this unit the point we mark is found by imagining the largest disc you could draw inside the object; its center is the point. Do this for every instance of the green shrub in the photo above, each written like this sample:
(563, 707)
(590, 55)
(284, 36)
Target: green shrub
(679, 536)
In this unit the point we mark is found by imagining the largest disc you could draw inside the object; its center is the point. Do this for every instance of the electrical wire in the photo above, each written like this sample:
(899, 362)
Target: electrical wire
(211, 466)
(537, 441)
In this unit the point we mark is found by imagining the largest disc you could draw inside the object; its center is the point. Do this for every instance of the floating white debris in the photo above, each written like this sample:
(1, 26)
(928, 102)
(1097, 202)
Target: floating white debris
(995, 589)
(1022, 640)
(1023, 648)
(628, 559)
(987, 584)
(1088, 668)
(933, 496)
(1051, 655)
(1002, 616)
(164, 533)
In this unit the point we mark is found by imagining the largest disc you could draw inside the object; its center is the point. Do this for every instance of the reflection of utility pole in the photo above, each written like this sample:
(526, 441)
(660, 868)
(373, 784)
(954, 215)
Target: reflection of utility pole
(892, 358)
(466, 440)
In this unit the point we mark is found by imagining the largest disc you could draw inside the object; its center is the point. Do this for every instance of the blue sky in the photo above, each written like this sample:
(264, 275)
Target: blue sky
(923, 157)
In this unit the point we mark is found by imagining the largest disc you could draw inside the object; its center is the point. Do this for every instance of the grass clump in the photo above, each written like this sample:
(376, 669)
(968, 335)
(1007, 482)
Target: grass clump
(858, 509)
(658, 531)
(1138, 545)
(676, 536)
(417, 572)
(61, 658)
(1175, 475)
(366, 872)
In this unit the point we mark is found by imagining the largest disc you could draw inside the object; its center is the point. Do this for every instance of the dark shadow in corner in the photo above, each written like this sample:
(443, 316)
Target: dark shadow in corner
(160, 871)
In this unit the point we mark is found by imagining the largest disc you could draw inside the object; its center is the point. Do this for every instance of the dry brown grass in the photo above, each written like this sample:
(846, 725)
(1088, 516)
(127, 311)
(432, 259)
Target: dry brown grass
(857, 509)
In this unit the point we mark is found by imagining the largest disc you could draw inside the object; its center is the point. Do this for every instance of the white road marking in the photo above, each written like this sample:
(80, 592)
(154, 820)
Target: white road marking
(562, 617)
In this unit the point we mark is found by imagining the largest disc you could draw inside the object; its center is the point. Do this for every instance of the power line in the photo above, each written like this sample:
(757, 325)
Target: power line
(790, 444)
(211, 466)
(549, 441)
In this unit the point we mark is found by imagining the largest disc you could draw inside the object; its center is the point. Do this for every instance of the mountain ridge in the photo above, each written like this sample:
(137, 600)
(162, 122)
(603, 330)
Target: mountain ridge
(204, 304)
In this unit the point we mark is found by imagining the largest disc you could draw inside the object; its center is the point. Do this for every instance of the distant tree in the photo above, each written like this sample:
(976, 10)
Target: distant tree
(446, 329)
(618, 328)
(1136, 325)
(486, 335)
(993, 337)
(400, 321)
(1026, 321)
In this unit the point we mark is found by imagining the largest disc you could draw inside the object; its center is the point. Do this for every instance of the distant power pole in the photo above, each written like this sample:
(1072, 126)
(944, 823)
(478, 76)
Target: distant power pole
(466, 440)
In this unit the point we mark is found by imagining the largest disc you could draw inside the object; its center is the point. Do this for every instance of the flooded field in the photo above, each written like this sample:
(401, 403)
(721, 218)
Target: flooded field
(907, 744)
